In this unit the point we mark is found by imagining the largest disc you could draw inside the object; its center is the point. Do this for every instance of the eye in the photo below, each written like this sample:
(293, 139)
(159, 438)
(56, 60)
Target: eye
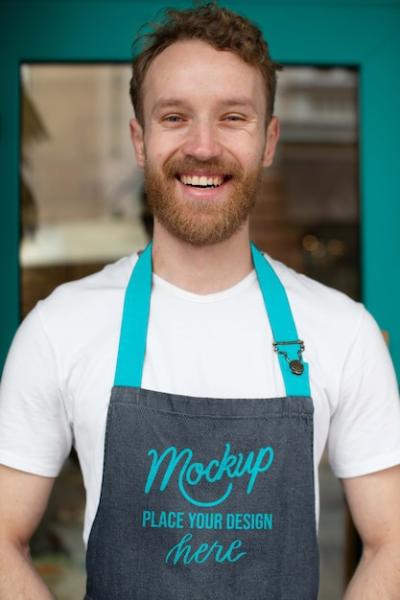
(234, 117)
(173, 118)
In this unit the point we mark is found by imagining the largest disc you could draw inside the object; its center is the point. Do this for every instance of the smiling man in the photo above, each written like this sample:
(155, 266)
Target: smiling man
(201, 380)
(204, 145)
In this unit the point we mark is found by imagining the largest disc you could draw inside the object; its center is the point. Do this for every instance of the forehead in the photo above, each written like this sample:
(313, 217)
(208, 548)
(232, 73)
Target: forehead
(195, 72)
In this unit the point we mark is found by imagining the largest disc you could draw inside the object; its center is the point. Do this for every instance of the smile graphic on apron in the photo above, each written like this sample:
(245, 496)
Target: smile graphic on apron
(205, 498)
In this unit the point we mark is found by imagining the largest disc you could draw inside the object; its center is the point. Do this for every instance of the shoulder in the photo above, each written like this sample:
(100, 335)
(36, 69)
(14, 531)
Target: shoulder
(333, 327)
(317, 302)
(78, 314)
(89, 293)
(112, 276)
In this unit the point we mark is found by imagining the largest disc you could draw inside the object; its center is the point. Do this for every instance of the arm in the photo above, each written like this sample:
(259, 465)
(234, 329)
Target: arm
(374, 502)
(23, 499)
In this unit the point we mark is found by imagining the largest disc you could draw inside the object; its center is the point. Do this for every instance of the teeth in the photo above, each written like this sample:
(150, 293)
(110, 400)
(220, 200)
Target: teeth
(202, 180)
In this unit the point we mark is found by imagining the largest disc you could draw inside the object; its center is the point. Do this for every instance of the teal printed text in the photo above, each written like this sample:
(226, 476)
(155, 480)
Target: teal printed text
(206, 520)
(184, 552)
(171, 520)
(248, 521)
(191, 473)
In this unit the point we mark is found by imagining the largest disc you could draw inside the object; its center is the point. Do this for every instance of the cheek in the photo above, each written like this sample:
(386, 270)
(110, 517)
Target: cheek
(248, 147)
(158, 150)
(252, 158)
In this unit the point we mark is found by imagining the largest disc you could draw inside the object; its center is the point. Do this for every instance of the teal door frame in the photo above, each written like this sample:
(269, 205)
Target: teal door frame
(364, 34)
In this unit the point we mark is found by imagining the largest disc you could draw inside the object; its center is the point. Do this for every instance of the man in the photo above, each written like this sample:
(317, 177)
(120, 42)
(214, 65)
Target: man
(230, 370)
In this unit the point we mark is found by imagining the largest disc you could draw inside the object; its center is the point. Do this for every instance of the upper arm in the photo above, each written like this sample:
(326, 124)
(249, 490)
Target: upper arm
(35, 429)
(364, 434)
(23, 500)
(374, 502)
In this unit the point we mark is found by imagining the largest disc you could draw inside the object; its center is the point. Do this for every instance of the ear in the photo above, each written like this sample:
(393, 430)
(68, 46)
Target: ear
(273, 132)
(136, 132)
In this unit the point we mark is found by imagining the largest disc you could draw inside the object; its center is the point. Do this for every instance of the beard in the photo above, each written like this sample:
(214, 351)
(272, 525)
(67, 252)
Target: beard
(201, 221)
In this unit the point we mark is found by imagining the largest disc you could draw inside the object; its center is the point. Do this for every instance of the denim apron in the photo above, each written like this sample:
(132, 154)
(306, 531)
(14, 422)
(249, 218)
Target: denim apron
(205, 498)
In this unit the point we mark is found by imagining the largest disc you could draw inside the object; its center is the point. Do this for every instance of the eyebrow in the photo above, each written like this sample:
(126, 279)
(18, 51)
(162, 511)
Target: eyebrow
(241, 101)
(167, 102)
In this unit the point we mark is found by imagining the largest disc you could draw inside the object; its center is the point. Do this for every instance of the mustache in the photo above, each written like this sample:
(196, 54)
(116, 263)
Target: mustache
(177, 166)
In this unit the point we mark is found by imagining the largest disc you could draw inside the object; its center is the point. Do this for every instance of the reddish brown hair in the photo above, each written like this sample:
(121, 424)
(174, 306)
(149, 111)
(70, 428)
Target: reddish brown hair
(219, 27)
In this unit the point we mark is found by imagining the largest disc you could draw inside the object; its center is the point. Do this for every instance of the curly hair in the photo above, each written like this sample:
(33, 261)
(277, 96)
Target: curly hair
(217, 26)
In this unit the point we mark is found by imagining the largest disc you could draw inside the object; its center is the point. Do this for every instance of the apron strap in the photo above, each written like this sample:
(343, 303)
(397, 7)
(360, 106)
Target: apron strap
(294, 370)
(135, 318)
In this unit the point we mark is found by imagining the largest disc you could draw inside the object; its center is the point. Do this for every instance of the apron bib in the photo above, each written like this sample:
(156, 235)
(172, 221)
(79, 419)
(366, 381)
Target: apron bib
(205, 498)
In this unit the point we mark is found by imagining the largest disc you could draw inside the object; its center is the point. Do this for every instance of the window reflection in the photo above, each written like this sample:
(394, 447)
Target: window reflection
(84, 204)
(311, 192)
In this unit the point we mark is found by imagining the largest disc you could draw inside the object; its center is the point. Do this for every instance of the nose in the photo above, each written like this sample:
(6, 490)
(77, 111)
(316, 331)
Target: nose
(202, 141)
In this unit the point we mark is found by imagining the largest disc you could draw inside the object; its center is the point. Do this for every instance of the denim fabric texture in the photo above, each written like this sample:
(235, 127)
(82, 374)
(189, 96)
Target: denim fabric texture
(134, 555)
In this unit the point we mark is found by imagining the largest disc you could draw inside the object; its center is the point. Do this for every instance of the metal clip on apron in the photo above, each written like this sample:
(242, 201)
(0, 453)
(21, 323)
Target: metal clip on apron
(205, 498)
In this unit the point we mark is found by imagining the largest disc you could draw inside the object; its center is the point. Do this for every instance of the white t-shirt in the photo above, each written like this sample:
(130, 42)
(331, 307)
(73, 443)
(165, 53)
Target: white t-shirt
(59, 372)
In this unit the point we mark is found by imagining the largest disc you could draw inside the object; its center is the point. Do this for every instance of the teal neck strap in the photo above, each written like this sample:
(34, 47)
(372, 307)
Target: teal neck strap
(135, 319)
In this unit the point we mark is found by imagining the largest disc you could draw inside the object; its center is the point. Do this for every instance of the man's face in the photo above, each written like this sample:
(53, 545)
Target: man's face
(204, 141)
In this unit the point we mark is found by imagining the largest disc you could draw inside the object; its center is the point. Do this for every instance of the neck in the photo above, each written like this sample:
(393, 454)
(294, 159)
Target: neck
(202, 269)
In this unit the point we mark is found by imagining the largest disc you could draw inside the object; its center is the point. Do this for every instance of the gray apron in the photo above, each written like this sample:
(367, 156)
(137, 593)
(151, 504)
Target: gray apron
(205, 498)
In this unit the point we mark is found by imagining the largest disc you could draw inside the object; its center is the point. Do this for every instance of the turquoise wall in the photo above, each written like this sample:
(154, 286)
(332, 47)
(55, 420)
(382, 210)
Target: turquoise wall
(365, 34)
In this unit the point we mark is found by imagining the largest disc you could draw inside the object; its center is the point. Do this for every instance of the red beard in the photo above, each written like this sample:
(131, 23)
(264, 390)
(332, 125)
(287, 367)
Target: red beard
(204, 221)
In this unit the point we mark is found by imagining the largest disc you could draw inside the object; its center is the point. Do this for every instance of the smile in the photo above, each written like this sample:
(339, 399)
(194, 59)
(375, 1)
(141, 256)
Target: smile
(203, 181)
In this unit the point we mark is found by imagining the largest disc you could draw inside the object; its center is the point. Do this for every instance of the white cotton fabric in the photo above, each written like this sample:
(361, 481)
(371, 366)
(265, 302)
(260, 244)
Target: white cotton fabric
(59, 373)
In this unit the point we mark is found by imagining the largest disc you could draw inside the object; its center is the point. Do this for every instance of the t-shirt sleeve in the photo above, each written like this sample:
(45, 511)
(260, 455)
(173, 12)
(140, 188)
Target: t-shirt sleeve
(35, 433)
(365, 427)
